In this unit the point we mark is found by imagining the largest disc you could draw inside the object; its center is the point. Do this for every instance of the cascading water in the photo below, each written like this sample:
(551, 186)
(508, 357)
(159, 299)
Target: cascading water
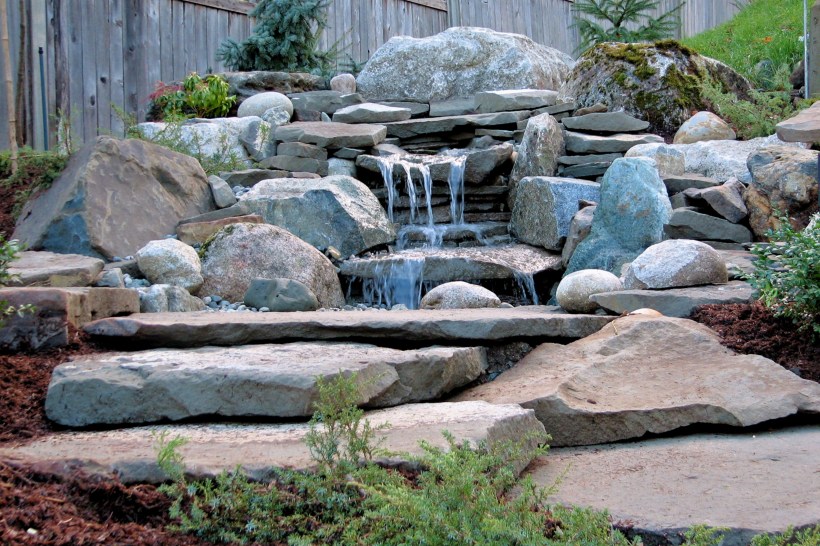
(396, 282)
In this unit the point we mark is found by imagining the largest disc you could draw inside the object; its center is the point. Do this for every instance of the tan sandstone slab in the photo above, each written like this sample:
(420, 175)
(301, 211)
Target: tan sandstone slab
(51, 269)
(248, 381)
(437, 326)
(749, 483)
(642, 375)
(804, 127)
(213, 448)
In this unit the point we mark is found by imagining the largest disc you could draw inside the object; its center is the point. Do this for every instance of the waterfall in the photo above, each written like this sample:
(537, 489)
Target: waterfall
(395, 282)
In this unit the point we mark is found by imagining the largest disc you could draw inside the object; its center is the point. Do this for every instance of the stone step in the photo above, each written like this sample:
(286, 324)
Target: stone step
(444, 265)
(248, 381)
(458, 232)
(425, 126)
(50, 269)
(580, 143)
(641, 375)
(748, 483)
(458, 326)
(259, 449)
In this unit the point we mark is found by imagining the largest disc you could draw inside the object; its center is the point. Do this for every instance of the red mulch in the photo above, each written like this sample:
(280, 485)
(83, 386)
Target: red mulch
(752, 329)
(7, 198)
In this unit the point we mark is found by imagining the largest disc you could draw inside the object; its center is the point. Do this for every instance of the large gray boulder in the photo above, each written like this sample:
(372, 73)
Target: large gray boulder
(169, 261)
(544, 206)
(542, 145)
(676, 263)
(630, 217)
(459, 62)
(240, 253)
(638, 375)
(784, 179)
(250, 380)
(660, 83)
(113, 198)
(336, 211)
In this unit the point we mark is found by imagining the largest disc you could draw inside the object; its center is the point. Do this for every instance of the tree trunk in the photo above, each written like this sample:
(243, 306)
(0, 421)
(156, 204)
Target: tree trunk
(10, 102)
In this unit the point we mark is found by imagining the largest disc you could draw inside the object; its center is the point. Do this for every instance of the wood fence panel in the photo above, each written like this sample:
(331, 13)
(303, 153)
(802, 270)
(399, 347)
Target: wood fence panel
(115, 60)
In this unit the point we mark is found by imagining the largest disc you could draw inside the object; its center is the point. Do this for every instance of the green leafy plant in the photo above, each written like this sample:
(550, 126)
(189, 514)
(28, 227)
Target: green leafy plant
(286, 38)
(8, 253)
(196, 96)
(620, 21)
(787, 273)
(36, 170)
(806, 537)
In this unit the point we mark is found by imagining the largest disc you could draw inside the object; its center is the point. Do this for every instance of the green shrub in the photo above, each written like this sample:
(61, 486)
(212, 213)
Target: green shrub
(36, 171)
(286, 38)
(787, 273)
(196, 97)
(806, 537)
(615, 15)
(8, 253)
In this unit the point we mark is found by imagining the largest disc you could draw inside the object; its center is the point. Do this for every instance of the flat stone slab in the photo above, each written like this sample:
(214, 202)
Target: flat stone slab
(57, 310)
(514, 99)
(580, 143)
(749, 483)
(370, 112)
(588, 158)
(451, 325)
(688, 224)
(248, 381)
(674, 302)
(52, 269)
(259, 449)
(641, 375)
(606, 122)
(804, 127)
(678, 183)
(332, 135)
(447, 124)
(454, 264)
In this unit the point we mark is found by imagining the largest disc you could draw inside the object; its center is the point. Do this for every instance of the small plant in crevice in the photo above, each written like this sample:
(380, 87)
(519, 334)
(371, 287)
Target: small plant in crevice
(8, 253)
(207, 97)
(36, 170)
(787, 273)
(615, 21)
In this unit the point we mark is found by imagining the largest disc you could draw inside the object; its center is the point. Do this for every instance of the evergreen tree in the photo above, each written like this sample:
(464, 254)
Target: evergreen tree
(286, 38)
(615, 15)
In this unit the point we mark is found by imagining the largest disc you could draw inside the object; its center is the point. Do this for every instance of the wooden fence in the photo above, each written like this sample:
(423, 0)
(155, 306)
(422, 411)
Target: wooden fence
(101, 56)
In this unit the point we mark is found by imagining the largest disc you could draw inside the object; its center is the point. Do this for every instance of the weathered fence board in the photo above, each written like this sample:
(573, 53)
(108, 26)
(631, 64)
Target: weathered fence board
(104, 55)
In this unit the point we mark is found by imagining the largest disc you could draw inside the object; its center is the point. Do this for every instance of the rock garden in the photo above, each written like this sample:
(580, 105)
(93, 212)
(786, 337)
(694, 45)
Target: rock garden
(479, 235)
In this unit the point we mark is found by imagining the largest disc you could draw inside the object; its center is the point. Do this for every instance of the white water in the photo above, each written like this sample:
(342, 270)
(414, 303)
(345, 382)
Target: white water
(398, 281)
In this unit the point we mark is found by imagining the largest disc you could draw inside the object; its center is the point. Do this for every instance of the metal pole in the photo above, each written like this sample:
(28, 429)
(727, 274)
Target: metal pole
(43, 98)
(806, 91)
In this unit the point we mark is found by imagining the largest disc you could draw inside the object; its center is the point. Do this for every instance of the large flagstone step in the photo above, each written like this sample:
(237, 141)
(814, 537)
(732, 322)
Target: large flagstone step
(273, 381)
(452, 326)
(258, 449)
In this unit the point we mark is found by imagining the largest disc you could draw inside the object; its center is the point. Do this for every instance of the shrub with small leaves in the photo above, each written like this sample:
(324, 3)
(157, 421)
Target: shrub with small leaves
(200, 97)
(8, 253)
(787, 273)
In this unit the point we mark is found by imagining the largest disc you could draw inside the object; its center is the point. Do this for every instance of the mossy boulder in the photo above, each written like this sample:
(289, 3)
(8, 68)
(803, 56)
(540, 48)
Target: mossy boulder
(660, 83)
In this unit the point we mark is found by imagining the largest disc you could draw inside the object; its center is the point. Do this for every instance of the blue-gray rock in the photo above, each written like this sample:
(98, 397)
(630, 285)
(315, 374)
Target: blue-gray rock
(222, 192)
(630, 217)
(113, 198)
(544, 207)
(689, 224)
(280, 295)
(540, 149)
(579, 229)
(257, 138)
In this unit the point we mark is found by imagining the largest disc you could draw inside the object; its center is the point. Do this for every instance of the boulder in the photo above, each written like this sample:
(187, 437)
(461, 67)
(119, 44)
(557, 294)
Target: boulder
(637, 375)
(544, 207)
(459, 295)
(675, 302)
(689, 224)
(326, 102)
(670, 161)
(242, 252)
(676, 263)
(165, 298)
(169, 261)
(294, 164)
(718, 159)
(32, 268)
(336, 211)
(247, 84)
(605, 122)
(222, 193)
(579, 229)
(459, 62)
(370, 112)
(343, 83)
(280, 295)
(113, 197)
(630, 217)
(575, 289)
(514, 99)
(804, 127)
(332, 135)
(784, 179)
(703, 126)
(260, 103)
(660, 83)
(725, 200)
(221, 138)
(257, 138)
(581, 143)
(542, 145)
(341, 167)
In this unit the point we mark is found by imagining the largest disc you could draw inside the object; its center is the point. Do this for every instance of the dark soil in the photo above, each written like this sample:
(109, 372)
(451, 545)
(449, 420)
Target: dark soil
(752, 329)
(8, 195)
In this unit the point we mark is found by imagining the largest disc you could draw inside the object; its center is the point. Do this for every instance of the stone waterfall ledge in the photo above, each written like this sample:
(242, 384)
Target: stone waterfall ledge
(259, 449)
(750, 483)
(461, 326)
(249, 381)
